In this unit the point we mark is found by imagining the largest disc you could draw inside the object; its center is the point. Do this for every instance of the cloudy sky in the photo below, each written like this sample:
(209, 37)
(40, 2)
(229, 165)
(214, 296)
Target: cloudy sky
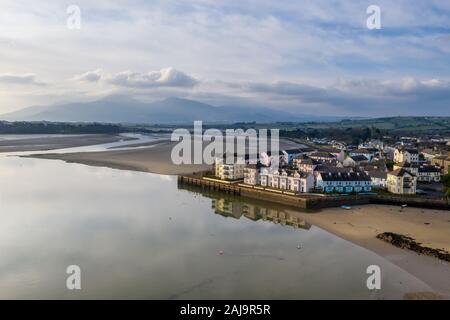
(309, 57)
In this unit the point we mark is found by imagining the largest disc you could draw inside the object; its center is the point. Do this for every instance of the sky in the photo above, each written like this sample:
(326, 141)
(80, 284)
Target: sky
(307, 57)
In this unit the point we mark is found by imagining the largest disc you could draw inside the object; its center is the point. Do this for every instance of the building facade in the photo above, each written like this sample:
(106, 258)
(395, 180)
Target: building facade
(288, 180)
(230, 172)
(400, 181)
(406, 155)
(344, 182)
(429, 173)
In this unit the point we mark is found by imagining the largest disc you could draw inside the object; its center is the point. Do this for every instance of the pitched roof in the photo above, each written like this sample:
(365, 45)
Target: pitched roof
(359, 158)
(410, 150)
(377, 174)
(361, 151)
(321, 154)
(400, 172)
(345, 176)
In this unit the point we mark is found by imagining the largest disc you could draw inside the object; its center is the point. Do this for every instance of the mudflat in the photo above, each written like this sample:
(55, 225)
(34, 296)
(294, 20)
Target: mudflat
(52, 142)
(154, 159)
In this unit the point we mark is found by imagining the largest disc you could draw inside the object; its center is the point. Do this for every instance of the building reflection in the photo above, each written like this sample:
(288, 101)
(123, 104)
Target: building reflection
(235, 207)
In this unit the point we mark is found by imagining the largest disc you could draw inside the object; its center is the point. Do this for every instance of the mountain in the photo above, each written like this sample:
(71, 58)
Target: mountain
(121, 109)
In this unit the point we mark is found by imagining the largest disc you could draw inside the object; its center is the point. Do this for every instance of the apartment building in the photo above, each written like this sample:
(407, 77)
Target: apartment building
(401, 181)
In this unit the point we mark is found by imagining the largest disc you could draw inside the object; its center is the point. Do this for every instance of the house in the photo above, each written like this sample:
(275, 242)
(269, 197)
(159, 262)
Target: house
(369, 154)
(354, 161)
(429, 173)
(344, 182)
(400, 181)
(288, 180)
(406, 155)
(374, 165)
(379, 178)
(305, 164)
(338, 153)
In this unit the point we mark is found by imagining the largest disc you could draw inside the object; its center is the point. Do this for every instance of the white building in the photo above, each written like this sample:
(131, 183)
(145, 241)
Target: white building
(305, 164)
(288, 180)
(230, 172)
(353, 161)
(252, 174)
(375, 144)
(400, 181)
(379, 178)
(406, 155)
(344, 182)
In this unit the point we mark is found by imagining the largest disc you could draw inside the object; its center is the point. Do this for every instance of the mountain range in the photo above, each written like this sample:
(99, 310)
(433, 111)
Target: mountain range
(122, 109)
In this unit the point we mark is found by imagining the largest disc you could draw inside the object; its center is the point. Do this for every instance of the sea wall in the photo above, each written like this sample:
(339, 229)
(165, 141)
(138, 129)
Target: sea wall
(308, 201)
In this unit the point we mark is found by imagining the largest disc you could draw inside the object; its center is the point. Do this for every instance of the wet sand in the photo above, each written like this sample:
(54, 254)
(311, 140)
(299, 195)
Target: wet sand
(155, 159)
(361, 224)
(48, 142)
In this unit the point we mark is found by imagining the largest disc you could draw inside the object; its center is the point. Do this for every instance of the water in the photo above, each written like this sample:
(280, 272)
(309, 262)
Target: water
(138, 236)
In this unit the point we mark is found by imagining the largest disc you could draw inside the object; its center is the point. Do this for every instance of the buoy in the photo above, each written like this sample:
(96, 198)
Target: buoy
(299, 246)
(221, 252)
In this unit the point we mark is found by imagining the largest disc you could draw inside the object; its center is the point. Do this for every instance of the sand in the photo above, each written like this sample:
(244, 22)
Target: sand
(361, 225)
(49, 142)
(155, 159)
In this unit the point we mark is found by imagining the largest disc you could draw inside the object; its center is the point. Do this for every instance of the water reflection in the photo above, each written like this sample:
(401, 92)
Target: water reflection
(236, 207)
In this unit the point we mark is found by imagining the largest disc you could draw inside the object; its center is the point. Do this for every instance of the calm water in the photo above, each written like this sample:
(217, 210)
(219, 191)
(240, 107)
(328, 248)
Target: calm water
(137, 235)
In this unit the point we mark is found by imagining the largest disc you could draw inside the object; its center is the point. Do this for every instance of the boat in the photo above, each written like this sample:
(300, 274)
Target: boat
(346, 207)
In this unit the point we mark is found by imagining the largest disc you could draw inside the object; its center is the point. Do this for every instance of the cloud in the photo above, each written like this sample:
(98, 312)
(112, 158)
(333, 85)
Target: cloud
(20, 79)
(354, 97)
(167, 77)
(90, 76)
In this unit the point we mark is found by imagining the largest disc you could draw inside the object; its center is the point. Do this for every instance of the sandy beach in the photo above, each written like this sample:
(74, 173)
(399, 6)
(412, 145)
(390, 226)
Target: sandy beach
(49, 142)
(361, 224)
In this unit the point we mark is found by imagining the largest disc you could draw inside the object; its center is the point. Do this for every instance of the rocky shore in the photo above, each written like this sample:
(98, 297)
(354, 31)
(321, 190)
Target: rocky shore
(409, 243)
